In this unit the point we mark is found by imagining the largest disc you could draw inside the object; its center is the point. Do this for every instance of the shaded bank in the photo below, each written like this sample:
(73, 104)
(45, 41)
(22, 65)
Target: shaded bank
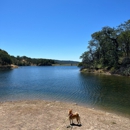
(122, 69)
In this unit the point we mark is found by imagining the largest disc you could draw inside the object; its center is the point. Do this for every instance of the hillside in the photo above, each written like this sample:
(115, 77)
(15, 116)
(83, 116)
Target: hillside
(61, 62)
(6, 60)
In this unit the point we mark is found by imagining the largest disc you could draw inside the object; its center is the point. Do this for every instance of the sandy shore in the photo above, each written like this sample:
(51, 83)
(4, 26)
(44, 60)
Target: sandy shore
(50, 115)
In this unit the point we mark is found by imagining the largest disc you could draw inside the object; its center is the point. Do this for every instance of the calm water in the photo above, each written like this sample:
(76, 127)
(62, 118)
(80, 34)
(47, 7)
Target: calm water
(66, 83)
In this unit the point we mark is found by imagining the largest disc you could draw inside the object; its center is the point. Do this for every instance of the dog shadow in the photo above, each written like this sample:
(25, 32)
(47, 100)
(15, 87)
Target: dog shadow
(73, 124)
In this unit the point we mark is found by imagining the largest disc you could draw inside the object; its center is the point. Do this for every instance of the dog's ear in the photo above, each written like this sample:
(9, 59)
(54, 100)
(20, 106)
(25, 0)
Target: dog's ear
(70, 110)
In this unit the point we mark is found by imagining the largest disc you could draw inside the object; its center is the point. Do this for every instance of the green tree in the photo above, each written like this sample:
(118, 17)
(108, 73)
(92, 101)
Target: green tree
(108, 46)
(5, 58)
(124, 38)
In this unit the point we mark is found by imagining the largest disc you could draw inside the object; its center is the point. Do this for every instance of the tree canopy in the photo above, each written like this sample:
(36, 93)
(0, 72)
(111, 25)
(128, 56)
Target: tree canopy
(108, 47)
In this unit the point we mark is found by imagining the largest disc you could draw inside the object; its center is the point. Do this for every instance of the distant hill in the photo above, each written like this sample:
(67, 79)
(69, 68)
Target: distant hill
(66, 62)
(6, 60)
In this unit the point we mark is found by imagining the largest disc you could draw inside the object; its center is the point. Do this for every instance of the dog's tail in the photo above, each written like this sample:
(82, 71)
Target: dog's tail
(76, 113)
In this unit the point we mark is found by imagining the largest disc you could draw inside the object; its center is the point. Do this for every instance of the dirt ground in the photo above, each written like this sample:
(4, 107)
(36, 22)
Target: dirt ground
(50, 115)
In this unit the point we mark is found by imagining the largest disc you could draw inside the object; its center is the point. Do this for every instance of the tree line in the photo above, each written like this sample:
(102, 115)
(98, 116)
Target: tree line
(6, 59)
(27, 61)
(109, 49)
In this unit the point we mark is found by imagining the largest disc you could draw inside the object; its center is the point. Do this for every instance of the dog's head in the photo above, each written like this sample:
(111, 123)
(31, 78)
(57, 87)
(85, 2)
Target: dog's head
(70, 112)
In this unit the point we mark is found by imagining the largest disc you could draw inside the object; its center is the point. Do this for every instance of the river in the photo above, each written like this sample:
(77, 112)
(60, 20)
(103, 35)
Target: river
(66, 83)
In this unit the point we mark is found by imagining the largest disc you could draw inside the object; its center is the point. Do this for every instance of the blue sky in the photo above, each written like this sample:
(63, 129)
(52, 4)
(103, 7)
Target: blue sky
(56, 29)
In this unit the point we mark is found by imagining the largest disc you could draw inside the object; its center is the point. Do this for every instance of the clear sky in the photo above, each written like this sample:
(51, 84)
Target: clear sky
(56, 29)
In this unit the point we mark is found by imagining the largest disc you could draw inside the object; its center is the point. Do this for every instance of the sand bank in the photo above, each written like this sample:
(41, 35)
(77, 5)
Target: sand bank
(50, 115)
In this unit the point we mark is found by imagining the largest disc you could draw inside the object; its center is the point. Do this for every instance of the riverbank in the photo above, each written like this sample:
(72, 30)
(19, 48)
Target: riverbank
(100, 71)
(120, 72)
(52, 115)
(5, 67)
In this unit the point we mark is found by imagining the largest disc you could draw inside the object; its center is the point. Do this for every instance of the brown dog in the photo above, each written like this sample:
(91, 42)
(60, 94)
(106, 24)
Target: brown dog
(74, 116)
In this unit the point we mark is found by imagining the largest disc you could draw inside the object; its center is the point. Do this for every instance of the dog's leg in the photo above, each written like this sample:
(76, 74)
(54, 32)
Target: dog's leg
(70, 121)
(79, 120)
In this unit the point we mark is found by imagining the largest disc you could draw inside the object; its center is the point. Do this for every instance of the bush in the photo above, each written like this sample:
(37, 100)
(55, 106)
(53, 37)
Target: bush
(126, 61)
